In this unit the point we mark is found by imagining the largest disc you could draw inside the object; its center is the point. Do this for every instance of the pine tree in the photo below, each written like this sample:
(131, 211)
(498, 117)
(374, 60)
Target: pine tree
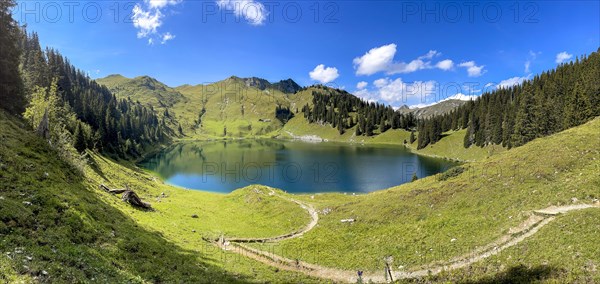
(470, 135)
(578, 108)
(525, 129)
(12, 97)
(382, 127)
(341, 129)
(436, 131)
(106, 121)
(79, 138)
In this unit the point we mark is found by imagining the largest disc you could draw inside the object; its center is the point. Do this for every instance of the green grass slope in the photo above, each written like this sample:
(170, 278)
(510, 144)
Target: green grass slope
(416, 222)
(565, 251)
(58, 227)
(233, 110)
(451, 147)
(144, 89)
(246, 212)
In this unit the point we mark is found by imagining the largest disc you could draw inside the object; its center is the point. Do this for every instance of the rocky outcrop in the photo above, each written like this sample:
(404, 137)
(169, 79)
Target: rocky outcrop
(287, 86)
(258, 83)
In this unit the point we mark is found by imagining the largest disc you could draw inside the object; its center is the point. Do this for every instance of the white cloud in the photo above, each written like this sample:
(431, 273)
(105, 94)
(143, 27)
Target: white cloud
(380, 82)
(375, 60)
(254, 12)
(167, 37)
(161, 3)
(445, 64)
(324, 74)
(532, 56)
(430, 54)
(511, 82)
(563, 56)
(394, 91)
(470, 87)
(148, 20)
(364, 94)
(361, 85)
(397, 92)
(381, 59)
(472, 69)
(410, 67)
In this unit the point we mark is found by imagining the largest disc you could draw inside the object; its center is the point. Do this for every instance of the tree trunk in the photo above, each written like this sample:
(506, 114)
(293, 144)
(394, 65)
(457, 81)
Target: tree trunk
(128, 196)
(112, 191)
(43, 129)
(132, 198)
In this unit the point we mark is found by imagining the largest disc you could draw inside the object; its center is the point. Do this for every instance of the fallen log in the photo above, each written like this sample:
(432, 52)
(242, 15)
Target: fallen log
(128, 196)
(132, 198)
(113, 191)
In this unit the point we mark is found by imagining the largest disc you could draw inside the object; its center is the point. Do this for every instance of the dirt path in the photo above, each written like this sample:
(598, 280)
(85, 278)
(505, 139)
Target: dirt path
(537, 220)
(314, 219)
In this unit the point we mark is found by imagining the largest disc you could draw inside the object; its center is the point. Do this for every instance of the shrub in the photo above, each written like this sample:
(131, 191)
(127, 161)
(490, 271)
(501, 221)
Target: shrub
(453, 172)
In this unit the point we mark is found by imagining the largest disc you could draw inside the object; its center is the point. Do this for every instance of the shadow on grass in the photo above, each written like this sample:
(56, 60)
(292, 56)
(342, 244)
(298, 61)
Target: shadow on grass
(519, 274)
(94, 165)
(58, 230)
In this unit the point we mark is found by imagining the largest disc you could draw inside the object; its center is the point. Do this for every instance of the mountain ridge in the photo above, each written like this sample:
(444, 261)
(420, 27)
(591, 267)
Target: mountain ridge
(439, 108)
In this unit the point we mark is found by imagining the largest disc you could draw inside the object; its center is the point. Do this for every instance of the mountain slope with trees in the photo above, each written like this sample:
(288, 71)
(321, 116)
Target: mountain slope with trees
(342, 111)
(97, 118)
(552, 101)
(439, 108)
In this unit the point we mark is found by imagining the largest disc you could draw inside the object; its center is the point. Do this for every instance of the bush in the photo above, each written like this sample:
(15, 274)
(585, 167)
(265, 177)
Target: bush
(453, 172)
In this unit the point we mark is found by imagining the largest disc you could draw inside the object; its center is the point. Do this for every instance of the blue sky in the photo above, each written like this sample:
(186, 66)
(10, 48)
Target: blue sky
(395, 52)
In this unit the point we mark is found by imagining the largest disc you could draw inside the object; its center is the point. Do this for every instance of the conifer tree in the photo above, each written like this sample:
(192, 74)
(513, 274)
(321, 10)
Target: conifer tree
(525, 129)
(79, 138)
(12, 97)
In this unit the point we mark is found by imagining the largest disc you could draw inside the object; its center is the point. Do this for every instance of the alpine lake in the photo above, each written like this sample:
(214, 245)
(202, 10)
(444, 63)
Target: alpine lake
(293, 166)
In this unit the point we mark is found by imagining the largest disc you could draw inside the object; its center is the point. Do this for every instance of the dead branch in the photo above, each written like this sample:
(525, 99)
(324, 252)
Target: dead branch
(112, 191)
(128, 196)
